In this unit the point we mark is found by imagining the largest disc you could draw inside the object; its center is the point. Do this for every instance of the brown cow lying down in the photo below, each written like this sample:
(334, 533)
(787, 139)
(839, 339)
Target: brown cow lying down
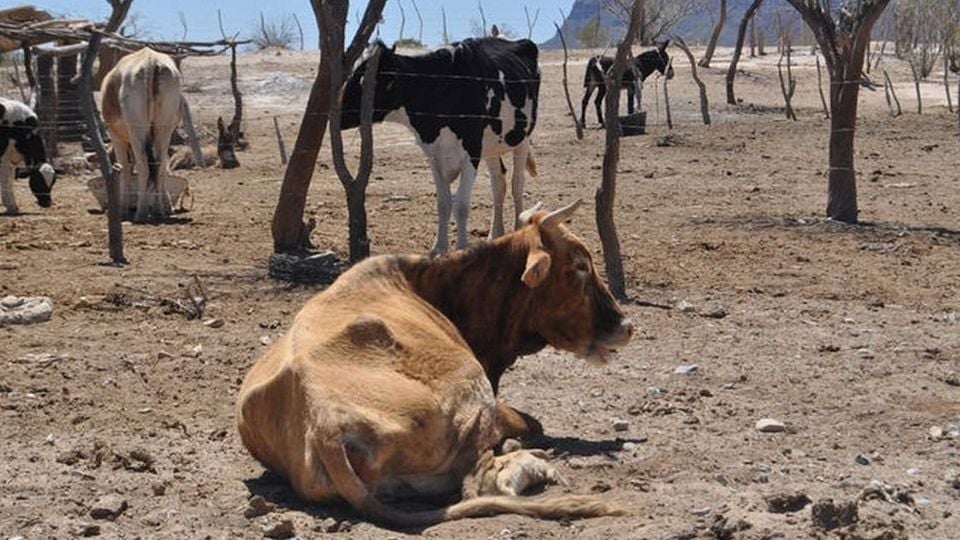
(374, 392)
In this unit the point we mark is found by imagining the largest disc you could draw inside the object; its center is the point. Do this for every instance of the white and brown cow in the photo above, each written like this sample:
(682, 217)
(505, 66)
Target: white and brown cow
(470, 101)
(141, 103)
(21, 147)
(379, 390)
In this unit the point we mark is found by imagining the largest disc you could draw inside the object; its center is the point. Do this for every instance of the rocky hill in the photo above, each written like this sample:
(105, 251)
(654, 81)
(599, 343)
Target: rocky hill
(695, 28)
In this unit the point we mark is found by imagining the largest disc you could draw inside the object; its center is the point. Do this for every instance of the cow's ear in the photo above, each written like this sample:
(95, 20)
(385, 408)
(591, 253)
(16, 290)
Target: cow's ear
(538, 266)
(663, 46)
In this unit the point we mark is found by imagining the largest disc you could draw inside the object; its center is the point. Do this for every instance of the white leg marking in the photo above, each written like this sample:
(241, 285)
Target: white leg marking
(6, 188)
(468, 175)
(498, 185)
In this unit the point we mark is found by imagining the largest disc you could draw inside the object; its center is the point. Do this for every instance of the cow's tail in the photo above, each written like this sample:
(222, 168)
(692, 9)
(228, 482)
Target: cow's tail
(153, 160)
(531, 164)
(352, 488)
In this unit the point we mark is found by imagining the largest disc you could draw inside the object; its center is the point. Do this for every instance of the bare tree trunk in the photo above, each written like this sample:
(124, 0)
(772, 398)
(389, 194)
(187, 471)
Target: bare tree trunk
(282, 147)
(823, 99)
(946, 80)
(531, 22)
(47, 105)
(888, 92)
(741, 33)
(187, 122)
(916, 86)
(712, 45)
(753, 38)
(403, 19)
(566, 89)
(290, 233)
(842, 184)
(788, 85)
(114, 210)
(606, 193)
(443, 16)
(234, 126)
(299, 29)
(334, 19)
(666, 99)
(704, 103)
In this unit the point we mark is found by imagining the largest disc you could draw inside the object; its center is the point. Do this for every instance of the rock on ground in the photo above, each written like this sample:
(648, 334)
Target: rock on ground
(25, 309)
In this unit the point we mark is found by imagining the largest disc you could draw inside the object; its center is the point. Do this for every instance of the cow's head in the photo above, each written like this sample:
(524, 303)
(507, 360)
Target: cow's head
(29, 143)
(572, 308)
(387, 94)
(664, 66)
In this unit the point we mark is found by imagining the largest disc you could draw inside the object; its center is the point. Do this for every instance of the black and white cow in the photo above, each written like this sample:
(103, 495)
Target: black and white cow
(470, 101)
(22, 147)
(646, 63)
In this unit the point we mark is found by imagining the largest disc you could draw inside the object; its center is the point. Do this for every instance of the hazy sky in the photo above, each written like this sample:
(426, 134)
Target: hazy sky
(160, 19)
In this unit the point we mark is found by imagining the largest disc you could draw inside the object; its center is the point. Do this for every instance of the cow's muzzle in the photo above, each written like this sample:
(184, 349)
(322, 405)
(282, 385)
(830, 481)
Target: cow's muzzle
(607, 344)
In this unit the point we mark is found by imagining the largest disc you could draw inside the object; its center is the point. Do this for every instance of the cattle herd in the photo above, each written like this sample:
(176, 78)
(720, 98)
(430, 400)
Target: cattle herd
(385, 385)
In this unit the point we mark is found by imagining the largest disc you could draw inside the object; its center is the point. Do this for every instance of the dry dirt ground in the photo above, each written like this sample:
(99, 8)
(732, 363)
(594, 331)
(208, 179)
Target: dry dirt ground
(848, 335)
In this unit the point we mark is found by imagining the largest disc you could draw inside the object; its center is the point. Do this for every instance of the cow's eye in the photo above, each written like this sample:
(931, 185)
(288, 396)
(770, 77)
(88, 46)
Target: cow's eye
(582, 267)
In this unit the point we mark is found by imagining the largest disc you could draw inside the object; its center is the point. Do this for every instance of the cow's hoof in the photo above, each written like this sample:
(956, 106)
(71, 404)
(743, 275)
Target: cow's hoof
(514, 473)
(12, 211)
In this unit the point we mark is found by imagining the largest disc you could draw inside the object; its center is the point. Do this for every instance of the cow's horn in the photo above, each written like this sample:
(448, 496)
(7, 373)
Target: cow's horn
(527, 215)
(561, 215)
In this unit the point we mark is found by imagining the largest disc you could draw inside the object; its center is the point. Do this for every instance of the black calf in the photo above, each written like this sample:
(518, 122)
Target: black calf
(645, 65)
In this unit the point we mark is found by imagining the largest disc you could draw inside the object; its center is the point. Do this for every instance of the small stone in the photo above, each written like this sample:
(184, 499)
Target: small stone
(866, 354)
(281, 529)
(952, 431)
(728, 386)
(629, 446)
(952, 379)
(685, 307)
(705, 511)
(716, 313)
(686, 369)
(213, 323)
(164, 355)
(257, 506)
(265, 340)
(108, 507)
(621, 425)
(863, 459)
(828, 515)
(783, 503)
(769, 425)
(705, 393)
(88, 530)
(653, 391)
(914, 471)
(936, 432)
(49, 440)
(159, 489)
(327, 525)
(722, 480)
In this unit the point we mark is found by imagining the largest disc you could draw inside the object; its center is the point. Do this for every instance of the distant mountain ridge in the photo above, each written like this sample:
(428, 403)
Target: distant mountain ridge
(695, 28)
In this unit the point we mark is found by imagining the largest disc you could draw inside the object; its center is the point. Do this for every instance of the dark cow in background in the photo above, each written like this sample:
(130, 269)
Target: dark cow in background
(21, 147)
(470, 101)
(645, 64)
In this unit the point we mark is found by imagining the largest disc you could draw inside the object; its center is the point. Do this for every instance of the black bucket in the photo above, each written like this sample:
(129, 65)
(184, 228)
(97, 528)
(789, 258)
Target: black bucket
(633, 124)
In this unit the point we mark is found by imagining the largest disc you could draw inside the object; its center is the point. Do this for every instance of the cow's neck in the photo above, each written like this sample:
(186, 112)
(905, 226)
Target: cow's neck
(480, 291)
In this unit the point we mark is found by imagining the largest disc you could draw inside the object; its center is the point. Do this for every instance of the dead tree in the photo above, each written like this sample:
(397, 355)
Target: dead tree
(233, 128)
(666, 98)
(403, 19)
(889, 92)
(946, 81)
(94, 128)
(823, 99)
(843, 38)
(416, 10)
(296, 20)
(916, 85)
(531, 22)
(280, 145)
(606, 193)
(704, 103)
(788, 85)
(443, 16)
(566, 90)
(738, 48)
(712, 45)
(290, 233)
